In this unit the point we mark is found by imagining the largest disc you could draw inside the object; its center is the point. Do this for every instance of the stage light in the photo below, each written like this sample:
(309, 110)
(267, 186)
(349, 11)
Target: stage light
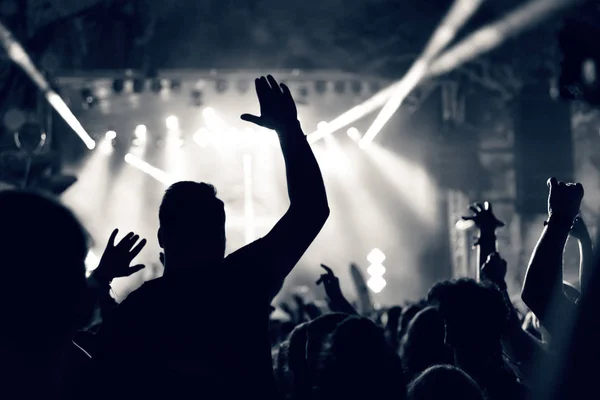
(356, 87)
(376, 256)
(110, 135)
(339, 87)
(106, 147)
(91, 261)
(139, 85)
(243, 85)
(221, 85)
(354, 114)
(65, 112)
(172, 123)
(322, 126)
(146, 168)
(141, 132)
(376, 284)
(202, 137)
(17, 53)
(88, 97)
(212, 119)
(197, 98)
(493, 35)
(156, 86)
(460, 12)
(118, 85)
(175, 85)
(303, 91)
(376, 270)
(353, 134)
(320, 87)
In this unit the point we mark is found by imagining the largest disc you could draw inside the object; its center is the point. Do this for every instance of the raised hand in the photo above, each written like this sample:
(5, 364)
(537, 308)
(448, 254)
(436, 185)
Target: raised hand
(116, 260)
(564, 200)
(494, 270)
(336, 300)
(483, 216)
(331, 283)
(277, 107)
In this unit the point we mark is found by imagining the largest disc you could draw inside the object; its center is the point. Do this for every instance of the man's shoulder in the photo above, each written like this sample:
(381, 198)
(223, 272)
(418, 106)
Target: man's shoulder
(249, 253)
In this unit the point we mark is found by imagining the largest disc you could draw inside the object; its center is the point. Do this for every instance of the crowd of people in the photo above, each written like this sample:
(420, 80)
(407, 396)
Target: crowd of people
(181, 336)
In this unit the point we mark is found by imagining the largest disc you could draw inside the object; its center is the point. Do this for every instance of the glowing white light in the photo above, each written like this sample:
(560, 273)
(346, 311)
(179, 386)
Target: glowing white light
(110, 135)
(376, 270)
(407, 84)
(493, 35)
(65, 112)
(106, 147)
(91, 261)
(463, 225)
(212, 119)
(172, 123)
(141, 132)
(16, 52)
(248, 199)
(376, 256)
(322, 126)
(154, 172)
(353, 134)
(202, 137)
(354, 114)
(376, 284)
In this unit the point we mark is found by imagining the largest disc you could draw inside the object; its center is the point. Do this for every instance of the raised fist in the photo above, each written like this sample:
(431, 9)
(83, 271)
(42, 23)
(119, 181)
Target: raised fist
(564, 200)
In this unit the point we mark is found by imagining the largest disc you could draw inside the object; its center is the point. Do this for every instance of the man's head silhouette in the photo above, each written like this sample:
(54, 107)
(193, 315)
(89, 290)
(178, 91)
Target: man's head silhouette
(192, 223)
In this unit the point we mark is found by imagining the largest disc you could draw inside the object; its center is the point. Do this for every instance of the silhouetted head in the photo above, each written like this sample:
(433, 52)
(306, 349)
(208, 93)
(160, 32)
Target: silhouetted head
(44, 295)
(358, 363)
(475, 314)
(444, 382)
(423, 345)
(192, 222)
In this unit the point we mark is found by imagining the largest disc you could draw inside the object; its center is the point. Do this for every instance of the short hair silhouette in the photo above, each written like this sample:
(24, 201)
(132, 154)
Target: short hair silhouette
(191, 212)
(444, 382)
(43, 248)
(475, 312)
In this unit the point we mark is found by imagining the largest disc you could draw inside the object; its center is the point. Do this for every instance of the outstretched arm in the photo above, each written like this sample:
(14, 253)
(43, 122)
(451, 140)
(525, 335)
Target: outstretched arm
(542, 289)
(336, 299)
(308, 211)
(586, 252)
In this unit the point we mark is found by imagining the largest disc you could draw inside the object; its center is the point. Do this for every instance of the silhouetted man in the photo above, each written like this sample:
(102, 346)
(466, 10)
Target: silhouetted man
(201, 331)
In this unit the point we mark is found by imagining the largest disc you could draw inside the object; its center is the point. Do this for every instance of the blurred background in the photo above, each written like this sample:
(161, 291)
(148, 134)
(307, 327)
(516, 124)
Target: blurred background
(480, 100)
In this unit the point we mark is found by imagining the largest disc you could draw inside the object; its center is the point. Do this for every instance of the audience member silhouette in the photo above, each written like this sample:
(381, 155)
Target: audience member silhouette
(442, 382)
(174, 336)
(45, 297)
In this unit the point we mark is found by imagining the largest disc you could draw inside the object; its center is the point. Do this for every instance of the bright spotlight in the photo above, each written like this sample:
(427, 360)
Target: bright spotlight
(213, 121)
(17, 53)
(110, 135)
(141, 132)
(202, 137)
(353, 134)
(322, 126)
(91, 261)
(376, 256)
(376, 270)
(393, 95)
(410, 81)
(146, 168)
(172, 123)
(376, 284)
